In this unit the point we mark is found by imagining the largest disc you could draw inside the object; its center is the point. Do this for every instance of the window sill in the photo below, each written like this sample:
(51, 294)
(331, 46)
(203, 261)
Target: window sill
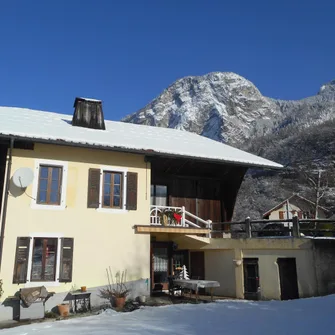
(42, 283)
(112, 210)
(48, 207)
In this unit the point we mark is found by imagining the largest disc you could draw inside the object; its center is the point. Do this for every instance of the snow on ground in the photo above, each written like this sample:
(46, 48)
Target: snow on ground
(304, 316)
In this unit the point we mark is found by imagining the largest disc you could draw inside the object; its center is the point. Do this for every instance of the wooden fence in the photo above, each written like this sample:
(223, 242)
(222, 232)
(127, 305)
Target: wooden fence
(262, 228)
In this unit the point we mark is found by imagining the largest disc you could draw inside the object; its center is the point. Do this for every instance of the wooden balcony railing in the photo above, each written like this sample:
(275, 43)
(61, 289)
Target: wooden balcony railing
(176, 217)
(294, 227)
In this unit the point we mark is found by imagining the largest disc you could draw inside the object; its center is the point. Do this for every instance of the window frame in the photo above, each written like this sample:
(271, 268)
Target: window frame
(49, 182)
(56, 282)
(123, 172)
(63, 184)
(44, 259)
(111, 194)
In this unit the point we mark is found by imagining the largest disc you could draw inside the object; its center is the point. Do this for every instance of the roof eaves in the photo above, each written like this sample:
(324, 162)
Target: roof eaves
(147, 152)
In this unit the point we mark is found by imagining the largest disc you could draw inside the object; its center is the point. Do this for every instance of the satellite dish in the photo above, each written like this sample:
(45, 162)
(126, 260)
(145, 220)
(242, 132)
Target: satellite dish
(23, 177)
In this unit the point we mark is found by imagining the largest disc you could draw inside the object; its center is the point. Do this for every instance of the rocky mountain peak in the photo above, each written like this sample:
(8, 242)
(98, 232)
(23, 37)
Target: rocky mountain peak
(229, 108)
(328, 90)
(221, 105)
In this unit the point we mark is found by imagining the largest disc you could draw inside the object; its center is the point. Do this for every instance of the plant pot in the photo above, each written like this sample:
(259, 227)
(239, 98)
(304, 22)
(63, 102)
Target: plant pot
(64, 309)
(120, 302)
(83, 289)
(142, 299)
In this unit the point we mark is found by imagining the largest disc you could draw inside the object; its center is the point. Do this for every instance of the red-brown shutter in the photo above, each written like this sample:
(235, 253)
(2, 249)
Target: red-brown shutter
(21, 260)
(66, 260)
(131, 199)
(93, 188)
(281, 215)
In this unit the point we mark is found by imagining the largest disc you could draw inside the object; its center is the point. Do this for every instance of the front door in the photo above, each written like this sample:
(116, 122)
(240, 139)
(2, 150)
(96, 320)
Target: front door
(198, 267)
(251, 278)
(288, 278)
(160, 265)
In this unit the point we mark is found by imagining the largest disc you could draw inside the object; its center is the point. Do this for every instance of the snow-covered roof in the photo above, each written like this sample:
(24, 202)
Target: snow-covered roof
(57, 128)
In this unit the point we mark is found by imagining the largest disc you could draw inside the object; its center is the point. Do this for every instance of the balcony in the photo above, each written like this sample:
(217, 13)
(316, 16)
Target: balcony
(177, 220)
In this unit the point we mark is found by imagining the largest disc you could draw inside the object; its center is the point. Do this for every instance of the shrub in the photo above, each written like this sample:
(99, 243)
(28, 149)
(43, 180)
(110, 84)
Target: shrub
(116, 287)
(1, 290)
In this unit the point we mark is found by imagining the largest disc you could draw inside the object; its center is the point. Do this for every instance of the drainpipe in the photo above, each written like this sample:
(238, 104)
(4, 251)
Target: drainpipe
(5, 201)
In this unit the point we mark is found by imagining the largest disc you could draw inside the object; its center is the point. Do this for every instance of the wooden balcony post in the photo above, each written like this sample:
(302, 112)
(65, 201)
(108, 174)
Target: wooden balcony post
(248, 227)
(295, 228)
(156, 215)
(183, 216)
(210, 227)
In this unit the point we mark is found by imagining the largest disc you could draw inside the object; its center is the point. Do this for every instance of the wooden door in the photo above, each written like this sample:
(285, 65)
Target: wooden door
(197, 265)
(251, 278)
(288, 278)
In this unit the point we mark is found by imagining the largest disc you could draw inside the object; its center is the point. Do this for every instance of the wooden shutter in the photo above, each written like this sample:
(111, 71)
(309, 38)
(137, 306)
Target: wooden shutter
(281, 215)
(131, 202)
(93, 188)
(66, 260)
(21, 260)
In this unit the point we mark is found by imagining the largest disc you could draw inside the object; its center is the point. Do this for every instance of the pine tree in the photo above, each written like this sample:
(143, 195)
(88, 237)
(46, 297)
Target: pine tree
(184, 273)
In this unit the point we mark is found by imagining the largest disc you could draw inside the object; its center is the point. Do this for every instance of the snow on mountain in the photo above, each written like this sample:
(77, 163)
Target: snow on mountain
(228, 108)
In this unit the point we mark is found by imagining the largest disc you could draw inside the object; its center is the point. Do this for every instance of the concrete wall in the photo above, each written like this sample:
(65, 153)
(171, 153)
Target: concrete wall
(219, 266)
(101, 238)
(232, 251)
(224, 259)
(269, 272)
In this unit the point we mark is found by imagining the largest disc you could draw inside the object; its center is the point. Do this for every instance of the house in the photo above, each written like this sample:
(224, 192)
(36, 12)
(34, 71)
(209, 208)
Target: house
(295, 205)
(80, 194)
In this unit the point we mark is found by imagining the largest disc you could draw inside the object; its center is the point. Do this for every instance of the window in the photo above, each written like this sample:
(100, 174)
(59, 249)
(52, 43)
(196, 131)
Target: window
(112, 189)
(159, 195)
(43, 259)
(49, 188)
(49, 185)
(43, 267)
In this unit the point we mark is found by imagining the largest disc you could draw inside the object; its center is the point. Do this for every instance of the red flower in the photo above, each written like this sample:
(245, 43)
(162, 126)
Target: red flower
(177, 217)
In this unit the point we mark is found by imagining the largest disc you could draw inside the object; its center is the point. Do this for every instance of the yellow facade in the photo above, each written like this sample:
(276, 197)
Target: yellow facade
(101, 238)
(107, 238)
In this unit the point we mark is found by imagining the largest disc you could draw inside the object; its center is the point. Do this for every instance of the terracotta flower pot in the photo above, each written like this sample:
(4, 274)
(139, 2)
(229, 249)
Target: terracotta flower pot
(64, 309)
(120, 302)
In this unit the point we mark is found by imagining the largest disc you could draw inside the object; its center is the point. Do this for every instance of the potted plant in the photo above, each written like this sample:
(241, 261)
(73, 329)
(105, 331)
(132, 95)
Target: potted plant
(116, 291)
(63, 310)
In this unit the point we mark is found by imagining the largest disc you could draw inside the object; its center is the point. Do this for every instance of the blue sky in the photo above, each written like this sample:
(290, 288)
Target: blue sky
(126, 52)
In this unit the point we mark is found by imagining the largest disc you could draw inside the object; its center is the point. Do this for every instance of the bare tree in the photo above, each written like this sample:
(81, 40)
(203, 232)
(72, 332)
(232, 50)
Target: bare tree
(319, 184)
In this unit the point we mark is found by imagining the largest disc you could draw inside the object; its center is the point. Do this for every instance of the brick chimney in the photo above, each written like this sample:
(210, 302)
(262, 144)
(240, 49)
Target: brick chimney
(88, 114)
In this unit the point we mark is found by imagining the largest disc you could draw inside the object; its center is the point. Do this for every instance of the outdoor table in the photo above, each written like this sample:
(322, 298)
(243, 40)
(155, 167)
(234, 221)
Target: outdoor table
(84, 298)
(195, 284)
